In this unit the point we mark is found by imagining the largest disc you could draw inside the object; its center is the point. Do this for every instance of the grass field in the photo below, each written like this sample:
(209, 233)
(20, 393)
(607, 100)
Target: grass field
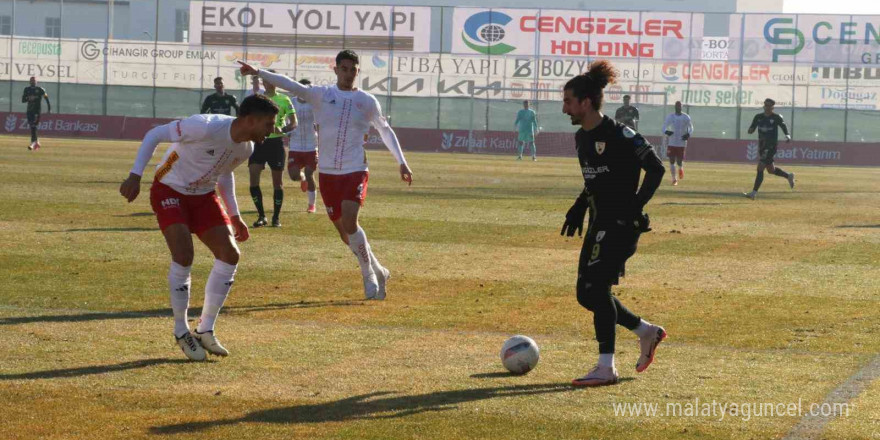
(772, 301)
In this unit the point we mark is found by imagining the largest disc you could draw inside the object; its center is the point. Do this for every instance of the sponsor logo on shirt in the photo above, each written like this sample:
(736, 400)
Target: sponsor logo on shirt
(591, 173)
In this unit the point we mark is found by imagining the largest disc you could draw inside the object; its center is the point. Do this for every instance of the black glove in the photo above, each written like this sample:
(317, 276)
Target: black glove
(685, 136)
(642, 223)
(669, 133)
(574, 219)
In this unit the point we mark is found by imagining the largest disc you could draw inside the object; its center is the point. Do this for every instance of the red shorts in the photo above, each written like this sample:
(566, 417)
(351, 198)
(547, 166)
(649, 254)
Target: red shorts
(302, 159)
(199, 213)
(675, 152)
(338, 187)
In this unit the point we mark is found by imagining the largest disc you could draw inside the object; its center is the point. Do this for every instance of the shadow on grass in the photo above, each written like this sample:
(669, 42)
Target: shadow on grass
(699, 203)
(494, 375)
(136, 214)
(858, 226)
(87, 371)
(376, 406)
(103, 230)
(166, 312)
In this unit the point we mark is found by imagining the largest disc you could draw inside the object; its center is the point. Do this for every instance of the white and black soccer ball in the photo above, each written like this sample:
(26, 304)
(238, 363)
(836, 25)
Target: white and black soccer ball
(519, 354)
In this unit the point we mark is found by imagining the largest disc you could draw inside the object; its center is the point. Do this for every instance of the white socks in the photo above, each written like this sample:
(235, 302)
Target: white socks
(357, 242)
(179, 282)
(606, 360)
(644, 329)
(312, 197)
(672, 167)
(219, 283)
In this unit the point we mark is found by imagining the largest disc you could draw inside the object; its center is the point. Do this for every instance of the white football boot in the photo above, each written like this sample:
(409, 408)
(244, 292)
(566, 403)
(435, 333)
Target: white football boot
(191, 347)
(382, 276)
(210, 343)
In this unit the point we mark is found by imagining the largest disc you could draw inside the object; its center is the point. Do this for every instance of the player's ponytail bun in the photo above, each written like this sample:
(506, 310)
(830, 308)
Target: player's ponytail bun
(602, 73)
(590, 84)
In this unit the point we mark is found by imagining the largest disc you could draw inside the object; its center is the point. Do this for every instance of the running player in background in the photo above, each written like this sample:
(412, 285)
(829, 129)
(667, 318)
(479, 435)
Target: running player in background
(611, 156)
(627, 114)
(204, 151)
(768, 124)
(344, 114)
(34, 95)
(678, 129)
(526, 125)
(271, 151)
(220, 102)
(302, 161)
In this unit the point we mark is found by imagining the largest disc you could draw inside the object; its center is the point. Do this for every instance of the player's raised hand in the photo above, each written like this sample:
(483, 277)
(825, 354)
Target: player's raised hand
(247, 69)
(240, 229)
(130, 187)
(406, 174)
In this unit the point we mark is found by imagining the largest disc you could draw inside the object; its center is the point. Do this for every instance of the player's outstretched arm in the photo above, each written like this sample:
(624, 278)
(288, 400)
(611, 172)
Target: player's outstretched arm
(131, 186)
(48, 104)
(278, 80)
(226, 188)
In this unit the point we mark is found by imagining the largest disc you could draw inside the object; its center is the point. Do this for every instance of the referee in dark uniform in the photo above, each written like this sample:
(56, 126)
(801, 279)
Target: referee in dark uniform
(219, 103)
(34, 95)
(611, 157)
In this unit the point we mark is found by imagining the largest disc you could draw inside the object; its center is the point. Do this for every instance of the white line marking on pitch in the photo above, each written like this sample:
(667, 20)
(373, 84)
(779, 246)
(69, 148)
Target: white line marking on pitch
(811, 427)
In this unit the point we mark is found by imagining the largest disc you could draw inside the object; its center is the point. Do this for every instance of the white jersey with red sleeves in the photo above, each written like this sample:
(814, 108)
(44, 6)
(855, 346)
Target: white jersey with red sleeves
(202, 150)
(304, 138)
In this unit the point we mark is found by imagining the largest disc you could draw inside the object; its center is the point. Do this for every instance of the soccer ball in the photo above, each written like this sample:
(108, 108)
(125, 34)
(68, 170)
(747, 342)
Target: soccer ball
(519, 354)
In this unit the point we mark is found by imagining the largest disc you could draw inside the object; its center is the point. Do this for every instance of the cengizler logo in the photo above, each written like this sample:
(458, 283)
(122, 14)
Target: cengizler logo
(484, 31)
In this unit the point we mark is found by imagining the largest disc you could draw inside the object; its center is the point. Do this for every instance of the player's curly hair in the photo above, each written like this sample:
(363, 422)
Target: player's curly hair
(590, 84)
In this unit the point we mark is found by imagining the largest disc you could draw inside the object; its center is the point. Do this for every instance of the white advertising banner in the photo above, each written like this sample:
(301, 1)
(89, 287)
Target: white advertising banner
(304, 26)
(820, 39)
(571, 33)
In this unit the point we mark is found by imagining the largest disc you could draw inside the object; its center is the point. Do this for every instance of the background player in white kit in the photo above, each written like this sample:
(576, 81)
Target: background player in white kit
(344, 115)
(678, 129)
(205, 150)
(302, 159)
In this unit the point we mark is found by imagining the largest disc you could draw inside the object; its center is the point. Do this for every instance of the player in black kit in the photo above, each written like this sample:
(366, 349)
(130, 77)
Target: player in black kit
(627, 114)
(611, 157)
(220, 103)
(34, 95)
(768, 125)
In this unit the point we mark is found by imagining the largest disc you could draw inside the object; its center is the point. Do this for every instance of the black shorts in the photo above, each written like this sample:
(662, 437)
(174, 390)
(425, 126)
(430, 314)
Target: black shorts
(33, 118)
(766, 152)
(606, 249)
(270, 151)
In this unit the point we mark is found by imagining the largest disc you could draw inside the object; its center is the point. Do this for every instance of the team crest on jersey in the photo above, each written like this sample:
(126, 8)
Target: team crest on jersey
(600, 147)
(599, 236)
(210, 152)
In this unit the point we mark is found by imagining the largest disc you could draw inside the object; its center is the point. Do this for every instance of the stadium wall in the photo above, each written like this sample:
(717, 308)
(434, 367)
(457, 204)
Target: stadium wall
(481, 142)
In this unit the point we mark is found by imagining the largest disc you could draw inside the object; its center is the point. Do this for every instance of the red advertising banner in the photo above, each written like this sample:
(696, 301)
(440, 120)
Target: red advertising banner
(479, 142)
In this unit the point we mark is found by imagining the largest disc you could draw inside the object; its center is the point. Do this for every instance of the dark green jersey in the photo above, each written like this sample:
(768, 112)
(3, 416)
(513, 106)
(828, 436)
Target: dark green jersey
(627, 116)
(33, 96)
(220, 104)
(768, 127)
